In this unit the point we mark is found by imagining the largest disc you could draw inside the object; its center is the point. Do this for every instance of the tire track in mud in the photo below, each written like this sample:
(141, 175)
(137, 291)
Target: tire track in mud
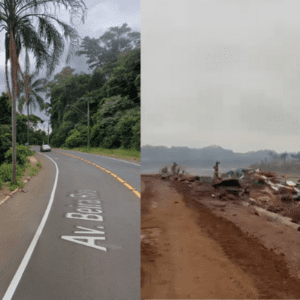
(185, 263)
(267, 269)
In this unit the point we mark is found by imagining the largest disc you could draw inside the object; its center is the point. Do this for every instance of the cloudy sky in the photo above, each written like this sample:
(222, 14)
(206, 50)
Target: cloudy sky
(101, 15)
(221, 72)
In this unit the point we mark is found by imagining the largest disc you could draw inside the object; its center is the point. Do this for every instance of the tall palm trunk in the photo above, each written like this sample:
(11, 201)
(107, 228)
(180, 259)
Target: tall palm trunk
(28, 123)
(7, 83)
(27, 89)
(14, 75)
(14, 136)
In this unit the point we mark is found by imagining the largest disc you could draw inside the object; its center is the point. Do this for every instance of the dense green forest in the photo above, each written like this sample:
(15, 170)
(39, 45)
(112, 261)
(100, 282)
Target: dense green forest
(112, 90)
(111, 94)
(37, 136)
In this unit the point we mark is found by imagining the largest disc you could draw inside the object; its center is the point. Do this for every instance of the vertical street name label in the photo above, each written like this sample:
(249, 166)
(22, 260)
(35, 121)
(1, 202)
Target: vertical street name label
(88, 207)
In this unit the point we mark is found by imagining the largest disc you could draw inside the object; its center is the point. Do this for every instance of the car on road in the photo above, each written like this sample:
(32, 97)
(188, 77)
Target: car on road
(45, 148)
(26, 144)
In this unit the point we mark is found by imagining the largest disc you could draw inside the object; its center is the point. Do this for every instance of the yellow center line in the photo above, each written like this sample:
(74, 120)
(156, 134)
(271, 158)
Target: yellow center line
(109, 172)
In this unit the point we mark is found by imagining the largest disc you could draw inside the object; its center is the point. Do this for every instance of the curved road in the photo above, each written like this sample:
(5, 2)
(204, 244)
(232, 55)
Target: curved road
(89, 247)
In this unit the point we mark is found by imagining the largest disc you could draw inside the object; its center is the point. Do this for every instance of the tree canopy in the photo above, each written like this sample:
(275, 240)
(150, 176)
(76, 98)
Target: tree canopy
(114, 104)
(109, 46)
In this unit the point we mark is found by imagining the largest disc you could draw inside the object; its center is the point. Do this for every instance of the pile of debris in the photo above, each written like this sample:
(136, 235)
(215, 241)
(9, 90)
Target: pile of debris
(277, 184)
(262, 189)
(174, 172)
(265, 186)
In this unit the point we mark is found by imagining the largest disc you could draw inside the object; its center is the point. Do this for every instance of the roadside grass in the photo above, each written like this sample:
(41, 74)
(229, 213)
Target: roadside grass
(117, 153)
(23, 172)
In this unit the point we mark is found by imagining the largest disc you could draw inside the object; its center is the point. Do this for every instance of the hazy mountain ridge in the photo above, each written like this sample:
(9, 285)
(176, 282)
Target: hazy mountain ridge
(202, 156)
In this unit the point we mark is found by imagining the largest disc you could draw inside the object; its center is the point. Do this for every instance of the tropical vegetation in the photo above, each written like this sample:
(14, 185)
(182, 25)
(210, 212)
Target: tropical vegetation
(29, 25)
(109, 96)
(111, 93)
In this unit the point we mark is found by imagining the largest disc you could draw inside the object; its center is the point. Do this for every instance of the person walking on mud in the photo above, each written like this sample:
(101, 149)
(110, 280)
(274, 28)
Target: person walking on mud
(174, 168)
(216, 174)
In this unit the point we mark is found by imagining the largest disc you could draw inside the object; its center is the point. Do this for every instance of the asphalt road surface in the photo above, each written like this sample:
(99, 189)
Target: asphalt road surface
(129, 171)
(89, 247)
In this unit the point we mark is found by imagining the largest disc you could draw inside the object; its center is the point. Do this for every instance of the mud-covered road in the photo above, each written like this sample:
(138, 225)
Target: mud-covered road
(189, 251)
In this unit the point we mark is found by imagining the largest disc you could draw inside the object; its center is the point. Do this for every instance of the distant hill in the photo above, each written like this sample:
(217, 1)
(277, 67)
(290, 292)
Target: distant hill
(205, 157)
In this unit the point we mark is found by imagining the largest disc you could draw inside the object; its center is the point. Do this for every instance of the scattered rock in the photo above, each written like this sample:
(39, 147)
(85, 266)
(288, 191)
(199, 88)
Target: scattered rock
(259, 182)
(252, 201)
(295, 215)
(286, 190)
(264, 199)
(164, 176)
(222, 195)
(286, 198)
(267, 174)
(231, 197)
(274, 209)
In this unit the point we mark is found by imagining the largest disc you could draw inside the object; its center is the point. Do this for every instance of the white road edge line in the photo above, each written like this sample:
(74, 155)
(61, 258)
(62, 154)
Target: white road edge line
(16, 279)
(104, 157)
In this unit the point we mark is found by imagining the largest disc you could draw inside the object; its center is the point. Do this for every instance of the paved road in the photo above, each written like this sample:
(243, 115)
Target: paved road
(89, 247)
(129, 171)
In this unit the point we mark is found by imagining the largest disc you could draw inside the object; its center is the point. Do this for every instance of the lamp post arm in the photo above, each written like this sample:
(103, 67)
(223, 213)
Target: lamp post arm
(76, 108)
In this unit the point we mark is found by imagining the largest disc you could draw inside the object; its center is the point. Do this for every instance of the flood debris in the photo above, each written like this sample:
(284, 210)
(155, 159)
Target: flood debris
(227, 183)
(174, 173)
(266, 190)
(164, 173)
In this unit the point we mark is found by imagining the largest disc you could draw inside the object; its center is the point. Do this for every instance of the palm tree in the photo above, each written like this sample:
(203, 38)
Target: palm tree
(30, 95)
(17, 19)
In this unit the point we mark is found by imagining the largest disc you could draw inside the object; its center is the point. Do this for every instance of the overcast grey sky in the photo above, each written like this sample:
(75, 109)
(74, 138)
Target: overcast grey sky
(101, 15)
(221, 72)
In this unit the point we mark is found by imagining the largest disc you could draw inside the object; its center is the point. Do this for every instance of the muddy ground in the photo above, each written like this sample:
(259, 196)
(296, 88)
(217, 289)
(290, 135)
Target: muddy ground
(194, 246)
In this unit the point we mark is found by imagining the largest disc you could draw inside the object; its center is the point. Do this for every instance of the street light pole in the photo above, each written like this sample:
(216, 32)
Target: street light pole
(48, 132)
(88, 116)
(88, 103)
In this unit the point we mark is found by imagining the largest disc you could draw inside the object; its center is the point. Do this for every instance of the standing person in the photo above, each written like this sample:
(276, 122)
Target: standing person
(216, 174)
(174, 168)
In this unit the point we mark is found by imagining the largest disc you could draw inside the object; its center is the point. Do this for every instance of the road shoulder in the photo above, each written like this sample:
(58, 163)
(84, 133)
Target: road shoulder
(20, 217)
(5, 192)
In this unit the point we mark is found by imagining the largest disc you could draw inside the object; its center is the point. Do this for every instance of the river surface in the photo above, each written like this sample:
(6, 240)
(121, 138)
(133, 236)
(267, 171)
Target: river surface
(193, 169)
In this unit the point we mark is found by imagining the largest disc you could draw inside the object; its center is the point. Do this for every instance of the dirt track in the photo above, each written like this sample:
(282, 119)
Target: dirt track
(190, 252)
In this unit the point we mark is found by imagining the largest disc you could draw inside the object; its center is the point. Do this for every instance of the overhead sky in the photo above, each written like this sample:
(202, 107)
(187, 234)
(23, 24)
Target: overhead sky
(101, 15)
(221, 72)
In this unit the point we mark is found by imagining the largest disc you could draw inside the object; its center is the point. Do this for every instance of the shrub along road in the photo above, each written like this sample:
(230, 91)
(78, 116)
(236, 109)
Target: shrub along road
(89, 247)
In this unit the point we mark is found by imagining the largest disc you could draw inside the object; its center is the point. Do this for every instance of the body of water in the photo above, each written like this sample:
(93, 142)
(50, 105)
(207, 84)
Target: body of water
(155, 168)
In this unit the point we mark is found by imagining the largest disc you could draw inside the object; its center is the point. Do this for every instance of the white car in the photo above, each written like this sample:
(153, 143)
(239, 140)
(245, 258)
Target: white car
(45, 148)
